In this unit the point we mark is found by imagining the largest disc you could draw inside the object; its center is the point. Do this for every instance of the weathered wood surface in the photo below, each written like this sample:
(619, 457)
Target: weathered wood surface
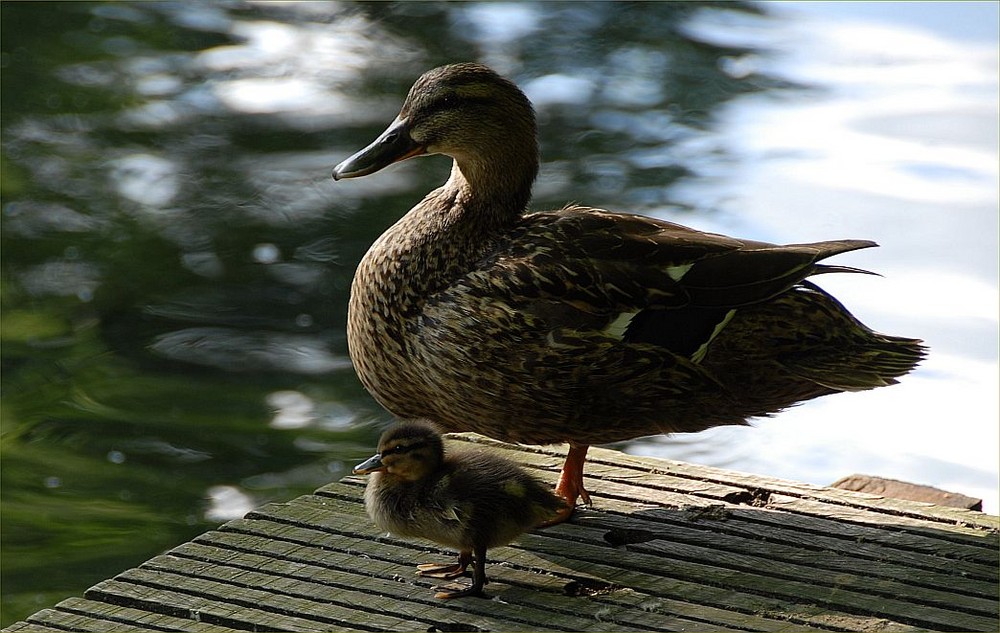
(667, 546)
(905, 490)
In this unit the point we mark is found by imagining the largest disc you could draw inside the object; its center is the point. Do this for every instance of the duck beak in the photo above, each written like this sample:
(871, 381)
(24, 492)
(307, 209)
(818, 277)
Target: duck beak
(392, 146)
(371, 465)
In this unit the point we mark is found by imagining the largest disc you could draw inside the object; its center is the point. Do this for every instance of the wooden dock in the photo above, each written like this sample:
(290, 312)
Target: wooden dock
(667, 546)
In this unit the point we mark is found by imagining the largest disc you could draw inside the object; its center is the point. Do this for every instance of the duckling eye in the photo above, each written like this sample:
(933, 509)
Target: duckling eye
(395, 450)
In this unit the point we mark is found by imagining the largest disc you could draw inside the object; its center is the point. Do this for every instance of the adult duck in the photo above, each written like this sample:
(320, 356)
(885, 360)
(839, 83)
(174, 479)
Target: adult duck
(580, 325)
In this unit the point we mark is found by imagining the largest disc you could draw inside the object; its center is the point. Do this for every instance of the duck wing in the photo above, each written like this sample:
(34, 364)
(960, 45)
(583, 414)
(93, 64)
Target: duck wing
(605, 327)
(615, 272)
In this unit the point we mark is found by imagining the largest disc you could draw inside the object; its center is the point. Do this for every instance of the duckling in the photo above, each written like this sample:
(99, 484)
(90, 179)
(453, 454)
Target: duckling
(467, 500)
(580, 325)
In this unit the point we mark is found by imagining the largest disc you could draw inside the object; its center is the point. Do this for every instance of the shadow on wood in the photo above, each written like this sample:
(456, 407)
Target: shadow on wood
(667, 546)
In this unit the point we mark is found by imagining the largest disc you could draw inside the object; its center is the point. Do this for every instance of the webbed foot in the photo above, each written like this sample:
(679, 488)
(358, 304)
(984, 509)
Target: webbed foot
(441, 570)
(456, 590)
(446, 570)
(570, 485)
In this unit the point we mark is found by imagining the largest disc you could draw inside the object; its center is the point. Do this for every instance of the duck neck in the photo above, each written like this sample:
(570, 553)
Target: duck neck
(496, 191)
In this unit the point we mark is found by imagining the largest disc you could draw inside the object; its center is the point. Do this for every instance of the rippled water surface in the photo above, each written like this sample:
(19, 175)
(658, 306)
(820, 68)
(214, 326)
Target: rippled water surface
(176, 259)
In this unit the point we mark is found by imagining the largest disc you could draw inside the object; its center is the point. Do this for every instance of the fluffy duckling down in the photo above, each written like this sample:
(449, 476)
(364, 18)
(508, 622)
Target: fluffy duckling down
(467, 500)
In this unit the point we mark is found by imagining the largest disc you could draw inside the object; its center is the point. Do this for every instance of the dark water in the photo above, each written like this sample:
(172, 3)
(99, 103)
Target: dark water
(176, 260)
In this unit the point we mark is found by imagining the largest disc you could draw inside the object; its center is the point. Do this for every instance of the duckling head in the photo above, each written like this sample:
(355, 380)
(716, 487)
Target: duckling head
(470, 113)
(407, 452)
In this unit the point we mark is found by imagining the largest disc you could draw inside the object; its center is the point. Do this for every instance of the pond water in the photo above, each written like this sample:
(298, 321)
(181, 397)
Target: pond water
(176, 259)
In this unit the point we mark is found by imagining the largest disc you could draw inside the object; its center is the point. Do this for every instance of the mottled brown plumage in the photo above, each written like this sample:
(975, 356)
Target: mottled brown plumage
(467, 500)
(580, 325)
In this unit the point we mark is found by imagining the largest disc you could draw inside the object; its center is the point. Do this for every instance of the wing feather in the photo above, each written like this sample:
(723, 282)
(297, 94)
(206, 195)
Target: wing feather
(605, 264)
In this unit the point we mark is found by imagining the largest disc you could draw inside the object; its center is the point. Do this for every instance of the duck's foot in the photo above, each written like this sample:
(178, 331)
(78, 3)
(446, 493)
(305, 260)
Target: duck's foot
(441, 570)
(456, 590)
(570, 485)
(446, 570)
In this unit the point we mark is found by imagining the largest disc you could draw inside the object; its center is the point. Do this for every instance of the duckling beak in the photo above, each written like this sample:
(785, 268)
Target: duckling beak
(392, 146)
(371, 465)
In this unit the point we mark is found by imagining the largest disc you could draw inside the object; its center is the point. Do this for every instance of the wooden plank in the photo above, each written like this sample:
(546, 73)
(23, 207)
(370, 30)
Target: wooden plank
(822, 571)
(157, 593)
(973, 562)
(701, 479)
(964, 526)
(896, 489)
(666, 547)
(106, 617)
(527, 586)
(824, 554)
(895, 531)
(59, 619)
(928, 603)
(238, 588)
(959, 532)
(31, 626)
(540, 590)
(389, 549)
(340, 587)
(692, 585)
(743, 580)
(757, 523)
(328, 573)
(763, 524)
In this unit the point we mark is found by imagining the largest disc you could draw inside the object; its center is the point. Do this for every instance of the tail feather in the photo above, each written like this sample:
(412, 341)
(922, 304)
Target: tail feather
(855, 357)
(822, 269)
(801, 345)
(874, 360)
(760, 271)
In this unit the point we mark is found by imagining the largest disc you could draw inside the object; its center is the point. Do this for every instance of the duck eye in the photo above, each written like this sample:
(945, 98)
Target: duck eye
(444, 102)
(395, 450)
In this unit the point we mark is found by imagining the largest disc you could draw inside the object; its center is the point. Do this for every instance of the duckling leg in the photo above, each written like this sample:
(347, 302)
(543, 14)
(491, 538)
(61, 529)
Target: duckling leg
(455, 590)
(444, 570)
(570, 485)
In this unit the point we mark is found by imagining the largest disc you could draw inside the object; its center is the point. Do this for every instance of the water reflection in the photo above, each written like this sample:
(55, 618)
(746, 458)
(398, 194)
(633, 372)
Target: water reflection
(895, 140)
(176, 259)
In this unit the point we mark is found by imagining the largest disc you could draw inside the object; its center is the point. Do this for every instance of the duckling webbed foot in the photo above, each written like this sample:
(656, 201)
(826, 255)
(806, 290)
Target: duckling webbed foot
(445, 570)
(456, 590)
(441, 570)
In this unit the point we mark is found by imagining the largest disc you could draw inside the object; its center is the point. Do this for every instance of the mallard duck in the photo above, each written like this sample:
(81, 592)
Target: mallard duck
(467, 500)
(580, 325)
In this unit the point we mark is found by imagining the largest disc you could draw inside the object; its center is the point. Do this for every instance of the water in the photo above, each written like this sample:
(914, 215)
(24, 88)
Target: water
(894, 140)
(176, 258)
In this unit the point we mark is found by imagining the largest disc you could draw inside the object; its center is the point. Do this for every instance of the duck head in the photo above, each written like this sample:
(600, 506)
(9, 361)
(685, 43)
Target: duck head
(408, 451)
(465, 111)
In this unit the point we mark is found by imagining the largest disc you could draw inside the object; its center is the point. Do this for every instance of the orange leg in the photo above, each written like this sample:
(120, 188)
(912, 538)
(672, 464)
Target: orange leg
(570, 485)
